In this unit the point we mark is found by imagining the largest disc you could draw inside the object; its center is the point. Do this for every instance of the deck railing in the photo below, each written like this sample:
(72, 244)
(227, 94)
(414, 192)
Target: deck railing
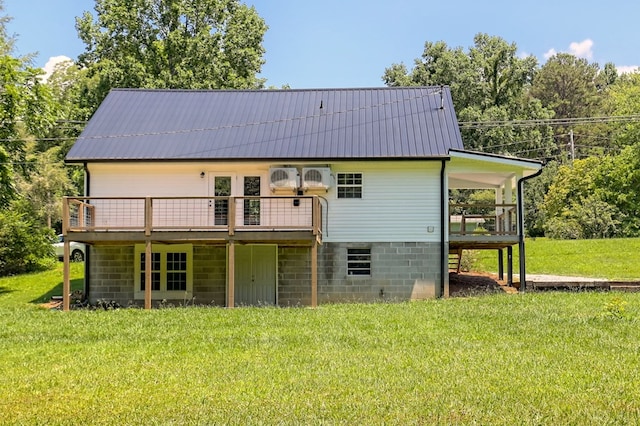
(482, 219)
(149, 214)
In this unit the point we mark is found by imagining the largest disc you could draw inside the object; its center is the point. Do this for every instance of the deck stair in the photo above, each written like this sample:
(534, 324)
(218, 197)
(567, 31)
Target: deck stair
(455, 259)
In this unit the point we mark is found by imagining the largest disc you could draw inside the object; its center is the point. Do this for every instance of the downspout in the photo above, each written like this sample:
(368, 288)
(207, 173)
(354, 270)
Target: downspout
(444, 199)
(521, 250)
(87, 253)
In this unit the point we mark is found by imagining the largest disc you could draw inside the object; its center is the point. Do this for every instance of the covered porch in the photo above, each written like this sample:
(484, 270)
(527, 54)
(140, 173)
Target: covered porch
(495, 225)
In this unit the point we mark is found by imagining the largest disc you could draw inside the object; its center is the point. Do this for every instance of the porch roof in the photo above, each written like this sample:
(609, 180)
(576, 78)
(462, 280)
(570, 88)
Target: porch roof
(469, 170)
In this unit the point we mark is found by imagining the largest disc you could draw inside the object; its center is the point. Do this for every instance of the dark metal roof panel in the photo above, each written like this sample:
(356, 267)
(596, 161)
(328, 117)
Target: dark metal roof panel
(378, 123)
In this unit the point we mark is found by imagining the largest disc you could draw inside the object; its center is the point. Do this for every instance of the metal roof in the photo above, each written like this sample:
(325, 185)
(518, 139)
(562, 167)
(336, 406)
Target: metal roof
(319, 124)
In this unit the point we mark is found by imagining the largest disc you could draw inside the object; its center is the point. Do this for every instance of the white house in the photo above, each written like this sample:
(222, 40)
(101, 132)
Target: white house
(284, 197)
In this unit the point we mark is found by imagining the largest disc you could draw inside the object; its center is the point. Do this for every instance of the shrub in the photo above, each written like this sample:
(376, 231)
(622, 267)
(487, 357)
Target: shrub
(24, 245)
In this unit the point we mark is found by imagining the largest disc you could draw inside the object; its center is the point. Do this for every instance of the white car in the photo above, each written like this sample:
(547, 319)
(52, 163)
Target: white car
(77, 249)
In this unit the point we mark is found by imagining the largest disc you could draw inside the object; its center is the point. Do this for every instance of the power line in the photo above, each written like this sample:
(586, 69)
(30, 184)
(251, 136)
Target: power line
(548, 121)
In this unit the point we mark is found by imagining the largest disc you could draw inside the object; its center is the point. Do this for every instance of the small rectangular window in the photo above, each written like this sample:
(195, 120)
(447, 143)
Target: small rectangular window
(349, 185)
(359, 262)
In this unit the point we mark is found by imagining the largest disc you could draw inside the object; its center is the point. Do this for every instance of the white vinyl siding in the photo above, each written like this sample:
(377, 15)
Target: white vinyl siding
(400, 202)
(165, 179)
(400, 199)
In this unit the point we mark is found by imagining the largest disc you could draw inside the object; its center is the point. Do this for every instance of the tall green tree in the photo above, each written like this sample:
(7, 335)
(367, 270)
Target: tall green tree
(186, 44)
(26, 108)
(567, 85)
(623, 98)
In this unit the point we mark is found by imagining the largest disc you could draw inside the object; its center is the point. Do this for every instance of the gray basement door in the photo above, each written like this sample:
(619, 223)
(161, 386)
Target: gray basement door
(255, 274)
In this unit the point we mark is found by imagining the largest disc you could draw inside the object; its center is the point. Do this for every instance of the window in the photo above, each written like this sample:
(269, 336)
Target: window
(171, 271)
(349, 185)
(359, 262)
(252, 205)
(221, 205)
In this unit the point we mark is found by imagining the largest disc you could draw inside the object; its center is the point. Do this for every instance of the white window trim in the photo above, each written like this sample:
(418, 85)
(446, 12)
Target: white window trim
(163, 293)
(338, 186)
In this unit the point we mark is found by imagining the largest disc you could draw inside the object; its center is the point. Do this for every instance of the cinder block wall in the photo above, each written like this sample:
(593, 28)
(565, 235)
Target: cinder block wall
(111, 274)
(294, 276)
(399, 271)
(210, 275)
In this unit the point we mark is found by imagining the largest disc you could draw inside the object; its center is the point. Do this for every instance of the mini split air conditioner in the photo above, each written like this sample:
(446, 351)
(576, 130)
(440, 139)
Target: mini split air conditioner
(316, 178)
(283, 178)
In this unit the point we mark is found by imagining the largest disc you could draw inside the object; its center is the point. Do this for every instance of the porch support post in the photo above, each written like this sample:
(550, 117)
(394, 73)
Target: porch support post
(148, 216)
(147, 274)
(66, 280)
(231, 272)
(500, 264)
(510, 266)
(314, 274)
(499, 210)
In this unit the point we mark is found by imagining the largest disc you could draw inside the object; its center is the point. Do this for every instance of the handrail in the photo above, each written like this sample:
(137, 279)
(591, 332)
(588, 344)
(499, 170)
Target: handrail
(201, 213)
(487, 219)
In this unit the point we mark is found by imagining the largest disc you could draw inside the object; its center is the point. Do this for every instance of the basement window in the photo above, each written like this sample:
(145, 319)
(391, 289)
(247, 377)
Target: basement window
(171, 271)
(349, 185)
(359, 262)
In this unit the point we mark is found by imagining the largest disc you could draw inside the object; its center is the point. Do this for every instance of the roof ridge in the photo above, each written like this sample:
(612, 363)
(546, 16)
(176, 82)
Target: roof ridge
(317, 89)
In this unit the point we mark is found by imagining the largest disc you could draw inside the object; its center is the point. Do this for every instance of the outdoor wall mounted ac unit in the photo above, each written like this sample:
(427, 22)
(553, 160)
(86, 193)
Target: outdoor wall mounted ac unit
(283, 178)
(316, 178)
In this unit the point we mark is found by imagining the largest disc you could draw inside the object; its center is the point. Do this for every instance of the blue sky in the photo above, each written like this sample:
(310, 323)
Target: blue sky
(349, 43)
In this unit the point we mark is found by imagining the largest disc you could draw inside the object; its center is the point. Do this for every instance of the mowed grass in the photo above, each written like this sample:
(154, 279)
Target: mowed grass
(538, 358)
(614, 259)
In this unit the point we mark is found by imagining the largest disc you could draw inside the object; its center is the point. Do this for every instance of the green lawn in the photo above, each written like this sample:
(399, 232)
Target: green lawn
(539, 358)
(615, 259)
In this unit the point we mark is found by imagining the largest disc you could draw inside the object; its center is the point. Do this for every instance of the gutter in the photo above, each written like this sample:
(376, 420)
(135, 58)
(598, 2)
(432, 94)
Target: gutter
(521, 249)
(87, 253)
(444, 267)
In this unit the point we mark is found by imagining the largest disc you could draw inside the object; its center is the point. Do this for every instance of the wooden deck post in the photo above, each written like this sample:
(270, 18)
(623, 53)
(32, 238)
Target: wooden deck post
(148, 216)
(500, 264)
(509, 266)
(314, 274)
(66, 280)
(147, 274)
(231, 272)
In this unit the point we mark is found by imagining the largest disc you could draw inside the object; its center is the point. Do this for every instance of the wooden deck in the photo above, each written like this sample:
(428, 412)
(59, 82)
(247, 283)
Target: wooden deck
(125, 220)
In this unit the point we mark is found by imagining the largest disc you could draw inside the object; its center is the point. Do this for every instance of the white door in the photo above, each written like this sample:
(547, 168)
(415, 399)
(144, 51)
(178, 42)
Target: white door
(255, 274)
(230, 185)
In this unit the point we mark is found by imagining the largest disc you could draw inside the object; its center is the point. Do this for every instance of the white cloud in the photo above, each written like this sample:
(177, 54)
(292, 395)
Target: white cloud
(51, 64)
(628, 69)
(550, 53)
(579, 49)
(582, 49)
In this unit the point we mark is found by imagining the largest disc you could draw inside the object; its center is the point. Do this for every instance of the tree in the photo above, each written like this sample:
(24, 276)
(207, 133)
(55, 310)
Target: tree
(26, 245)
(596, 197)
(26, 108)
(185, 44)
(567, 85)
(44, 188)
(623, 98)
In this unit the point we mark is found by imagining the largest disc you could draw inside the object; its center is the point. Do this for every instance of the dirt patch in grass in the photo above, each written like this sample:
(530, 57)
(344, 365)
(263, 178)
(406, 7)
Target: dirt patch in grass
(471, 284)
